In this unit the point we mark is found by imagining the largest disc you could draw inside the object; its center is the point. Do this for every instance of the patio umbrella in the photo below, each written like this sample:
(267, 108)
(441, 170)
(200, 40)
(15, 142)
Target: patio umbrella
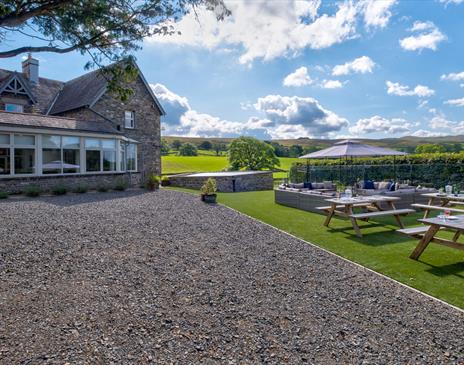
(57, 165)
(352, 148)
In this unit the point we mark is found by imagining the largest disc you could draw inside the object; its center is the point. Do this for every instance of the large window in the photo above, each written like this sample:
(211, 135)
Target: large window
(100, 154)
(129, 119)
(131, 157)
(5, 158)
(24, 154)
(15, 108)
(60, 155)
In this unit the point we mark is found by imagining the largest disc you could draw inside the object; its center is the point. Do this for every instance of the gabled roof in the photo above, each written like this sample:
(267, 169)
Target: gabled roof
(79, 92)
(16, 84)
(86, 90)
(58, 123)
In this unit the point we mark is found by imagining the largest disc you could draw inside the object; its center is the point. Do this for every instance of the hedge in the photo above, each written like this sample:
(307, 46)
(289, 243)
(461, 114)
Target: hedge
(437, 169)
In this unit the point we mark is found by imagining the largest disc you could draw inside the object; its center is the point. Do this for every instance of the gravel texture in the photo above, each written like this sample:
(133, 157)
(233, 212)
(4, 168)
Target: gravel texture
(129, 278)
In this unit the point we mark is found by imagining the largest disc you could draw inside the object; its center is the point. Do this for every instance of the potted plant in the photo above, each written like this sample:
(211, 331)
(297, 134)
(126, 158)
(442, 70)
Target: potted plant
(208, 191)
(165, 181)
(153, 182)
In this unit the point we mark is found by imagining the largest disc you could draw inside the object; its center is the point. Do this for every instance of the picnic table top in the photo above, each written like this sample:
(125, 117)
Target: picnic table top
(363, 199)
(445, 196)
(454, 223)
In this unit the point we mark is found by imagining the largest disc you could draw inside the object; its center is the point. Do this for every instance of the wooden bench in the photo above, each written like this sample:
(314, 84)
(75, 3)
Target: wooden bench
(434, 207)
(419, 233)
(395, 212)
(416, 232)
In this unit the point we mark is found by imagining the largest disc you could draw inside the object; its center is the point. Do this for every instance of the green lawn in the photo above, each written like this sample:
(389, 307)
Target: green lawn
(206, 161)
(440, 271)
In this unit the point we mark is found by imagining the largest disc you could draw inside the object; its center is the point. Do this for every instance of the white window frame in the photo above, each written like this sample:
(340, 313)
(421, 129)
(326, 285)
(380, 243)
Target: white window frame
(13, 146)
(61, 154)
(102, 150)
(129, 119)
(20, 106)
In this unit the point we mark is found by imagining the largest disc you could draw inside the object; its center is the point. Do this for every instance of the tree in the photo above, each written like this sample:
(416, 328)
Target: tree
(295, 151)
(205, 145)
(219, 147)
(164, 147)
(251, 154)
(279, 150)
(176, 144)
(430, 148)
(188, 149)
(105, 30)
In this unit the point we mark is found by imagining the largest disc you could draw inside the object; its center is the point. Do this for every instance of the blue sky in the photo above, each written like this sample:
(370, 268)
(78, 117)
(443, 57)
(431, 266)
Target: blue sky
(288, 69)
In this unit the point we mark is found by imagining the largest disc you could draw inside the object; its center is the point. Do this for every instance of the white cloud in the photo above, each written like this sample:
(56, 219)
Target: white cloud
(294, 113)
(446, 2)
(378, 124)
(455, 102)
(331, 84)
(395, 88)
(359, 65)
(377, 13)
(299, 77)
(174, 105)
(439, 121)
(427, 36)
(427, 133)
(459, 76)
(266, 29)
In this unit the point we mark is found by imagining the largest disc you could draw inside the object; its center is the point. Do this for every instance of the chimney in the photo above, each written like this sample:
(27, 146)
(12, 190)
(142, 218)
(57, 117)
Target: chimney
(31, 69)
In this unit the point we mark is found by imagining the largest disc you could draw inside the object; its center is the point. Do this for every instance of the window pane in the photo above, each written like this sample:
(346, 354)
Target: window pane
(71, 142)
(24, 139)
(92, 160)
(131, 157)
(109, 161)
(24, 159)
(109, 144)
(92, 143)
(71, 161)
(51, 141)
(4, 139)
(51, 161)
(129, 117)
(122, 159)
(15, 108)
(4, 161)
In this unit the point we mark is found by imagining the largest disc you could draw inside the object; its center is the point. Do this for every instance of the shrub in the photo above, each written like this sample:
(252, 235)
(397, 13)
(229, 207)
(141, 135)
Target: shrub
(80, 189)
(165, 181)
(59, 190)
(121, 185)
(102, 188)
(153, 182)
(209, 187)
(33, 191)
(3, 194)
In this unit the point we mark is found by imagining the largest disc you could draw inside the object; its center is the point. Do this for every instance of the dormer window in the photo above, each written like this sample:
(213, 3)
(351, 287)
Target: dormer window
(129, 119)
(14, 108)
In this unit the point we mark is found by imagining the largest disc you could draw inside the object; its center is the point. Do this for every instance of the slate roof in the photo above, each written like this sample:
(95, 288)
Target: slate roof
(61, 123)
(79, 92)
(44, 93)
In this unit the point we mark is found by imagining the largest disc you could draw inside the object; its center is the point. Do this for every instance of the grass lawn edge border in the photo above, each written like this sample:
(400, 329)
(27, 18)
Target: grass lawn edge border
(332, 253)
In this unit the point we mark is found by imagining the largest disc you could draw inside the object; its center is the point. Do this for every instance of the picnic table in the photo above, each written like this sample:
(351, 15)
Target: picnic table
(343, 207)
(428, 234)
(439, 201)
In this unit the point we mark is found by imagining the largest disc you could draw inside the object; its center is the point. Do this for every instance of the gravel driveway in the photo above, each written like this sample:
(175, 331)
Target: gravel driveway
(134, 277)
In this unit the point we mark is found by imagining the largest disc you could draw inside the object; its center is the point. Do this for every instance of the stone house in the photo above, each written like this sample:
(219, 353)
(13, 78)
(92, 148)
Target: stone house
(75, 132)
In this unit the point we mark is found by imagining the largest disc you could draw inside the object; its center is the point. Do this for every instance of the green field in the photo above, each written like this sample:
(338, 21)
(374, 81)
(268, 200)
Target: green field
(439, 272)
(206, 161)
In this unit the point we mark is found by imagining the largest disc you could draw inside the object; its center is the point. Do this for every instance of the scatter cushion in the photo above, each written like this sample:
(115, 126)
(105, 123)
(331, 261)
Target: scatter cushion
(318, 185)
(298, 186)
(368, 184)
(392, 187)
(308, 185)
(384, 185)
(328, 185)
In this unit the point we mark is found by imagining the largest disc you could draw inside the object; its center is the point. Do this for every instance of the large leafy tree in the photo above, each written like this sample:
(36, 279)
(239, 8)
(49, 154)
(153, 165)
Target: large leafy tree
(105, 30)
(251, 154)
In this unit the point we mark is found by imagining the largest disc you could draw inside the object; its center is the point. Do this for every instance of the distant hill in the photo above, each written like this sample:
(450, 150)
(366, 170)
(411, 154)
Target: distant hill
(401, 142)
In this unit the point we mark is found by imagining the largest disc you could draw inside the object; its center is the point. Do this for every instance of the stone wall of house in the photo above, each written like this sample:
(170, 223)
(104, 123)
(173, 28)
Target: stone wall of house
(250, 182)
(46, 183)
(83, 114)
(16, 99)
(147, 129)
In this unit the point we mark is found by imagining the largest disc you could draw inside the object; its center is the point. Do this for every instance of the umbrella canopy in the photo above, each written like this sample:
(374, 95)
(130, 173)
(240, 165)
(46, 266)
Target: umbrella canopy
(56, 165)
(350, 148)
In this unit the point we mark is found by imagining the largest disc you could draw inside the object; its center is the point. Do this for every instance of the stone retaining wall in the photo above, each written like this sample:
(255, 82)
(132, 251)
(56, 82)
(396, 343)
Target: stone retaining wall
(251, 182)
(46, 183)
